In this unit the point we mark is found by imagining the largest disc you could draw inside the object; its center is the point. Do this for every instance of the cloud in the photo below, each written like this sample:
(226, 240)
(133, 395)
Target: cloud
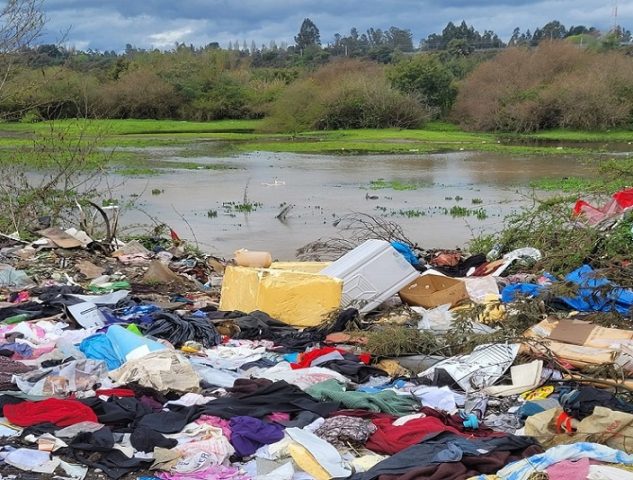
(160, 23)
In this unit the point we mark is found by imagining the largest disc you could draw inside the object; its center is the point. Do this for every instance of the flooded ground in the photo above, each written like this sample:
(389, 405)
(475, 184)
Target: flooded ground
(441, 200)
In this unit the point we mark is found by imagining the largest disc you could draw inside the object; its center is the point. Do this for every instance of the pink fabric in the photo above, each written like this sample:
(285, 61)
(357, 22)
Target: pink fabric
(278, 417)
(216, 422)
(215, 472)
(569, 470)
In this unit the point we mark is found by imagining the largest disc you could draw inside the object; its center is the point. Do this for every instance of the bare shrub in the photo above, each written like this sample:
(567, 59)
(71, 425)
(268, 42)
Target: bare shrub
(556, 85)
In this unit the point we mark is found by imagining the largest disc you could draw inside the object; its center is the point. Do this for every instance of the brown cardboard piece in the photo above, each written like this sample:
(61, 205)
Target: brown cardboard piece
(60, 238)
(575, 332)
(430, 291)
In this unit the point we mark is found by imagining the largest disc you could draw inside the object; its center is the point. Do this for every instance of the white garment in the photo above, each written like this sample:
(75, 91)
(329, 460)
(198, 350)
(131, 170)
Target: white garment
(232, 358)
(604, 472)
(323, 452)
(302, 378)
(438, 398)
(191, 399)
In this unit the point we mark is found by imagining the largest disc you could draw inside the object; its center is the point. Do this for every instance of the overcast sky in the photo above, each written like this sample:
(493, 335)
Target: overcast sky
(110, 24)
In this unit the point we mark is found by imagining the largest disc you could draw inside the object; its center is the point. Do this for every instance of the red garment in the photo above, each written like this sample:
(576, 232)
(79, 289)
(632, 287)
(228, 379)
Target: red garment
(306, 359)
(62, 413)
(390, 439)
(115, 392)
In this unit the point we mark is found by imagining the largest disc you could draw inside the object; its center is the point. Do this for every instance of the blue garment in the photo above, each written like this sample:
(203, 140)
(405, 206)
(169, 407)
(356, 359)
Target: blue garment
(407, 252)
(22, 349)
(99, 347)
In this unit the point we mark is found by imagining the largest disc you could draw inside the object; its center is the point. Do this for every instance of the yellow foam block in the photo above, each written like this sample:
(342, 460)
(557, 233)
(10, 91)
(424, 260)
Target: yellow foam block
(296, 298)
(305, 267)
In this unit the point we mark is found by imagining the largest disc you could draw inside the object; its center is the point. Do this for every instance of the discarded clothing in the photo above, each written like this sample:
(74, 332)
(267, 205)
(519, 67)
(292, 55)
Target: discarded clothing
(523, 469)
(59, 412)
(386, 401)
(248, 434)
(341, 430)
(179, 330)
(448, 447)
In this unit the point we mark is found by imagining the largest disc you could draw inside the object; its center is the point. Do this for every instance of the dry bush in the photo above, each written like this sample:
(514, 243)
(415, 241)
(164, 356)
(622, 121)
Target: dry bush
(556, 85)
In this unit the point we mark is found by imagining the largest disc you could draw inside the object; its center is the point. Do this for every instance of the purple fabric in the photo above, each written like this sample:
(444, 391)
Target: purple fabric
(151, 403)
(248, 434)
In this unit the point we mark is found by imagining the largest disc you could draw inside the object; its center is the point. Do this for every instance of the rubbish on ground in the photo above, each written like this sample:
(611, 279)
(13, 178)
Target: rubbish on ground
(430, 291)
(296, 298)
(246, 258)
(371, 273)
(134, 365)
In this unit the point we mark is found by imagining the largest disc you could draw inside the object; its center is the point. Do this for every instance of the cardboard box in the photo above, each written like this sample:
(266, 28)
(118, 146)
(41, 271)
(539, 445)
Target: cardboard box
(296, 298)
(430, 291)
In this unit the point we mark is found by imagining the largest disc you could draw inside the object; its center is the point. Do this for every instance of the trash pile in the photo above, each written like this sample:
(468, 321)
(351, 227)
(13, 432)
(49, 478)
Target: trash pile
(130, 362)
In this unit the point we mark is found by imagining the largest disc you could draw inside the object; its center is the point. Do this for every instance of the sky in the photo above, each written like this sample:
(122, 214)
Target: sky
(111, 24)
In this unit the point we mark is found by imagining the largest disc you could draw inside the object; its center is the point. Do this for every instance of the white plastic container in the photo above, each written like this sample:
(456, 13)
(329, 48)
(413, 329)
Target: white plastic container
(371, 273)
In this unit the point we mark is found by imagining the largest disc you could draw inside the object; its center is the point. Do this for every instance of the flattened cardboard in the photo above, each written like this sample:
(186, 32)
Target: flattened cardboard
(60, 238)
(430, 291)
(574, 332)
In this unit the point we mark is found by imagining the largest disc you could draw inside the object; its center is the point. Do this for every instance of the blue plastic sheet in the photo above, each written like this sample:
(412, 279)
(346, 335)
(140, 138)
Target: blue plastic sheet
(407, 252)
(595, 293)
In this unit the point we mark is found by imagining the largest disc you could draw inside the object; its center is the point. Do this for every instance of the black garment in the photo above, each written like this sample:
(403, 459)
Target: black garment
(278, 397)
(39, 429)
(580, 404)
(447, 447)
(145, 440)
(8, 400)
(300, 420)
(461, 269)
(117, 412)
(356, 371)
(178, 330)
(100, 441)
(56, 295)
(168, 422)
(259, 325)
(261, 363)
(34, 311)
(113, 463)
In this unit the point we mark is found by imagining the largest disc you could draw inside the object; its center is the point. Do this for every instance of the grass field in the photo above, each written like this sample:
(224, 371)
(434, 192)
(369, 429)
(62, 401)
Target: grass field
(247, 136)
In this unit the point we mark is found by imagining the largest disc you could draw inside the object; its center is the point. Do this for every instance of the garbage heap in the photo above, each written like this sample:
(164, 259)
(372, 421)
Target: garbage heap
(378, 366)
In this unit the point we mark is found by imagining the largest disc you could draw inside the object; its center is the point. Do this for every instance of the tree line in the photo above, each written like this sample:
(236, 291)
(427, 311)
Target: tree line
(362, 80)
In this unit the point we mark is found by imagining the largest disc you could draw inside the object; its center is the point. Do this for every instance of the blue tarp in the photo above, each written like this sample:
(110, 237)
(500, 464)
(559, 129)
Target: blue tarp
(595, 293)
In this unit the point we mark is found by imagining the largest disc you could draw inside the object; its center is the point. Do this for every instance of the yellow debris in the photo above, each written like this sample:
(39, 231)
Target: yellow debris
(296, 298)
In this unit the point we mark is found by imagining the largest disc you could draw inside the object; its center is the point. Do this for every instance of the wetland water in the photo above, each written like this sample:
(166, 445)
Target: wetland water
(322, 188)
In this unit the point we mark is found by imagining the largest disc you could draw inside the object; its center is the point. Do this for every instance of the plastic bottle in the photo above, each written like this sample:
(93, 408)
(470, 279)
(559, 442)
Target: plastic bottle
(495, 252)
(246, 258)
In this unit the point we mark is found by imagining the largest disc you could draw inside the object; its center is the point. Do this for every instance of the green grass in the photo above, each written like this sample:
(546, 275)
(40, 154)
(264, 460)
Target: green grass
(230, 136)
(576, 136)
(576, 184)
(382, 184)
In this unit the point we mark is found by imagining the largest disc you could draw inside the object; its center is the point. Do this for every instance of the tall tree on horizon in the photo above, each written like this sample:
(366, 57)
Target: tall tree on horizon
(308, 35)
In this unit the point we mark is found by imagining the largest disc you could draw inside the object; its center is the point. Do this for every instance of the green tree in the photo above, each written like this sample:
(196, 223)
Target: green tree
(308, 35)
(459, 47)
(427, 77)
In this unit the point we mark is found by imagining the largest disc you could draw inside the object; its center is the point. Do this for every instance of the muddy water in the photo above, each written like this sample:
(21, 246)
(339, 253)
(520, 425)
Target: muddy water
(322, 188)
